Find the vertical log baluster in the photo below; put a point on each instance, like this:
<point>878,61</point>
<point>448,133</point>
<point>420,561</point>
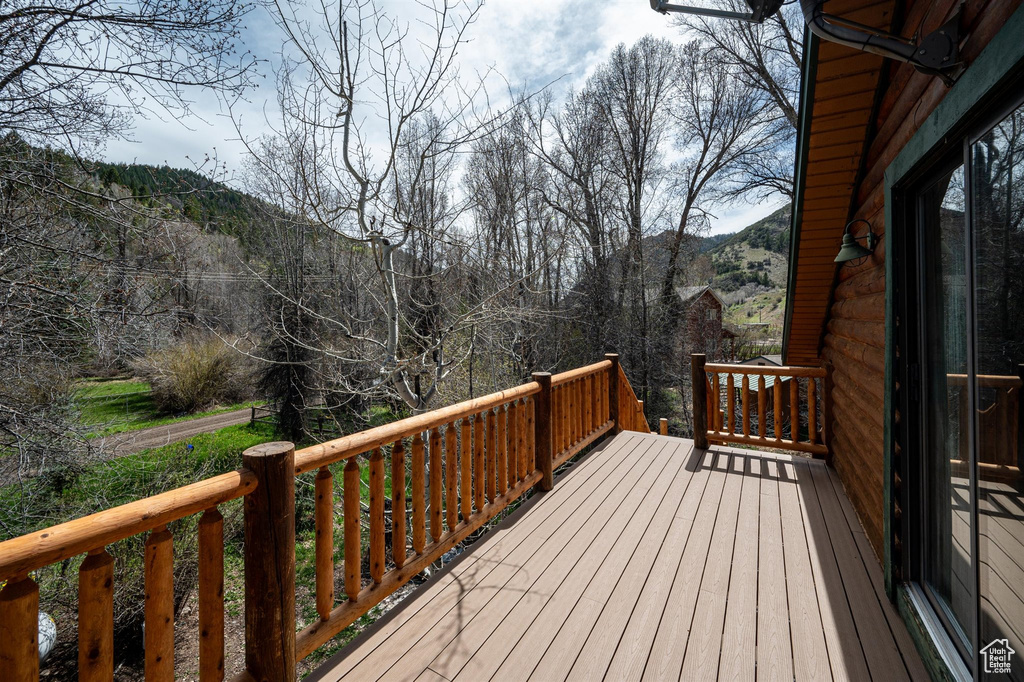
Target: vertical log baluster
<point>323,517</point>
<point>376,516</point>
<point>96,617</point>
<point>525,464</point>
<point>436,488</point>
<point>353,537</point>
<point>492,456</point>
<point>663,426</point>
<point>561,419</point>
<point>730,401</point>
<point>762,407</point>
<point>581,430</point>
<point>211,596</point>
<point>794,410</point>
<point>556,420</point>
<point>398,503</point>
<point>19,629</point>
<point>465,469</point>
<point>572,413</point>
<point>531,432</point>
<point>745,399</point>
<point>502,444</point>
<point>777,399</point>
<point>812,410</point>
<point>581,410</point>
<point>478,461</point>
<point>513,452</point>
<point>567,412</point>
<point>159,605</point>
<point>716,402</point>
<point>419,495</point>
<point>451,486</point>
<point>595,411</point>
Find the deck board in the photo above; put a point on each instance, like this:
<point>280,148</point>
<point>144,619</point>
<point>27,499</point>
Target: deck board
<point>652,560</point>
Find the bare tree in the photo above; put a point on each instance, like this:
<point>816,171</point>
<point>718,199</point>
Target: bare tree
<point>376,130</point>
<point>766,59</point>
<point>634,90</point>
<point>719,122</point>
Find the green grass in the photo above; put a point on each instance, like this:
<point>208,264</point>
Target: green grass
<point>121,405</point>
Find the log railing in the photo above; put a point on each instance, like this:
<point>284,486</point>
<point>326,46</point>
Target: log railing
<point>449,471</point>
<point>776,407</point>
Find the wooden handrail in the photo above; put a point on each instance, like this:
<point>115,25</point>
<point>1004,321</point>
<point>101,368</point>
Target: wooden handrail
<point>57,543</point>
<point>579,373</point>
<point>765,370</point>
<point>323,454</point>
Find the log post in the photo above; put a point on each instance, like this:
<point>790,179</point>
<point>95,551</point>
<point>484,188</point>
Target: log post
<point>323,516</point>
<point>270,562</point>
<point>96,617</point>
<point>159,603</point>
<point>211,596</point>
<point>663,426</point>
<point>353,528</point>
<point>377,552</point>
<point>543,453</point>
<point>698,385</point>
<point>613,391</point>
<point>19,630</point>
<point>398,502</point>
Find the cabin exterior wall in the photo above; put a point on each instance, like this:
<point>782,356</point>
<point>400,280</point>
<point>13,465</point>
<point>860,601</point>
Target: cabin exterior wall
<point>854,340</point>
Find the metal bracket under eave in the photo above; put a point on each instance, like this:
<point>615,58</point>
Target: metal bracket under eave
<point>760,10</point>
<point>939,51</point>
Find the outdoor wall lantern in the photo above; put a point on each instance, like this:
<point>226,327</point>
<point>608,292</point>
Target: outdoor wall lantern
<point>851,251</point>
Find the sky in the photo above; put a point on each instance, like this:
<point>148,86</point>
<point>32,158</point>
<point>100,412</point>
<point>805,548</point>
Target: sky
<point>532,43</point>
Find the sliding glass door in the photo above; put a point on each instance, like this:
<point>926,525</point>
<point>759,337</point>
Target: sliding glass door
<point>969,556</point>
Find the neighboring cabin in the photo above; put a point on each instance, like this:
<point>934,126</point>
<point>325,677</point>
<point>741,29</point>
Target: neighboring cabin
<point>704,330</point>
<point>924,337</point>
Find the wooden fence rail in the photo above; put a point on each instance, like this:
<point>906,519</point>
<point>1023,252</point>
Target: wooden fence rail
<point>451,471</point>
<point>724,411</point>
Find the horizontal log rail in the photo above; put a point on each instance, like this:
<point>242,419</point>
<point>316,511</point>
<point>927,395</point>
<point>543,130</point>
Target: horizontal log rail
<point>450,471</point>
<point>788,414</point>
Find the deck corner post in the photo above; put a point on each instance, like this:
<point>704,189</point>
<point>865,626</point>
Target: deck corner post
<point>543,451</point>
<point>698,387</point>
<point>613,390</point>
<point>270,562</point>
<point>663,426</point>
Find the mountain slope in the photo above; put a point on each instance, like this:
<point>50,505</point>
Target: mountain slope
<point>757,254</point>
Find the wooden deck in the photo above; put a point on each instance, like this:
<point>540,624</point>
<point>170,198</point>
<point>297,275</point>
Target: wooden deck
<point>651,560</point>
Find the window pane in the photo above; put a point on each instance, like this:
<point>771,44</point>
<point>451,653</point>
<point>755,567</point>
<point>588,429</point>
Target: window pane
<point>997,209</point>
<point>947,518</point>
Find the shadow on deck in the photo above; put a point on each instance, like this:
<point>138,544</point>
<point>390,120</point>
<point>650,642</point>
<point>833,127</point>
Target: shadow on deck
<point>653,560</point>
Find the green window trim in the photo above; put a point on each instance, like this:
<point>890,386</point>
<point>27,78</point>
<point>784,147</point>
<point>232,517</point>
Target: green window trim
<point>1001,60</point>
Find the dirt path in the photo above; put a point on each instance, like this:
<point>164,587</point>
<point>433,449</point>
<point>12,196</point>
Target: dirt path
<point>130,442</point>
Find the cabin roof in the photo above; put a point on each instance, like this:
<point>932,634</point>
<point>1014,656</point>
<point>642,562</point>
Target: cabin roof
<point>687,294</point>
<point>838,103</point>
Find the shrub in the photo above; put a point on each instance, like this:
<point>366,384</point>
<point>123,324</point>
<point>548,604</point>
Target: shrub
<point>195,375</point>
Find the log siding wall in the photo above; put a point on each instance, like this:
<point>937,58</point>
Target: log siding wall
<point>854,341</point>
